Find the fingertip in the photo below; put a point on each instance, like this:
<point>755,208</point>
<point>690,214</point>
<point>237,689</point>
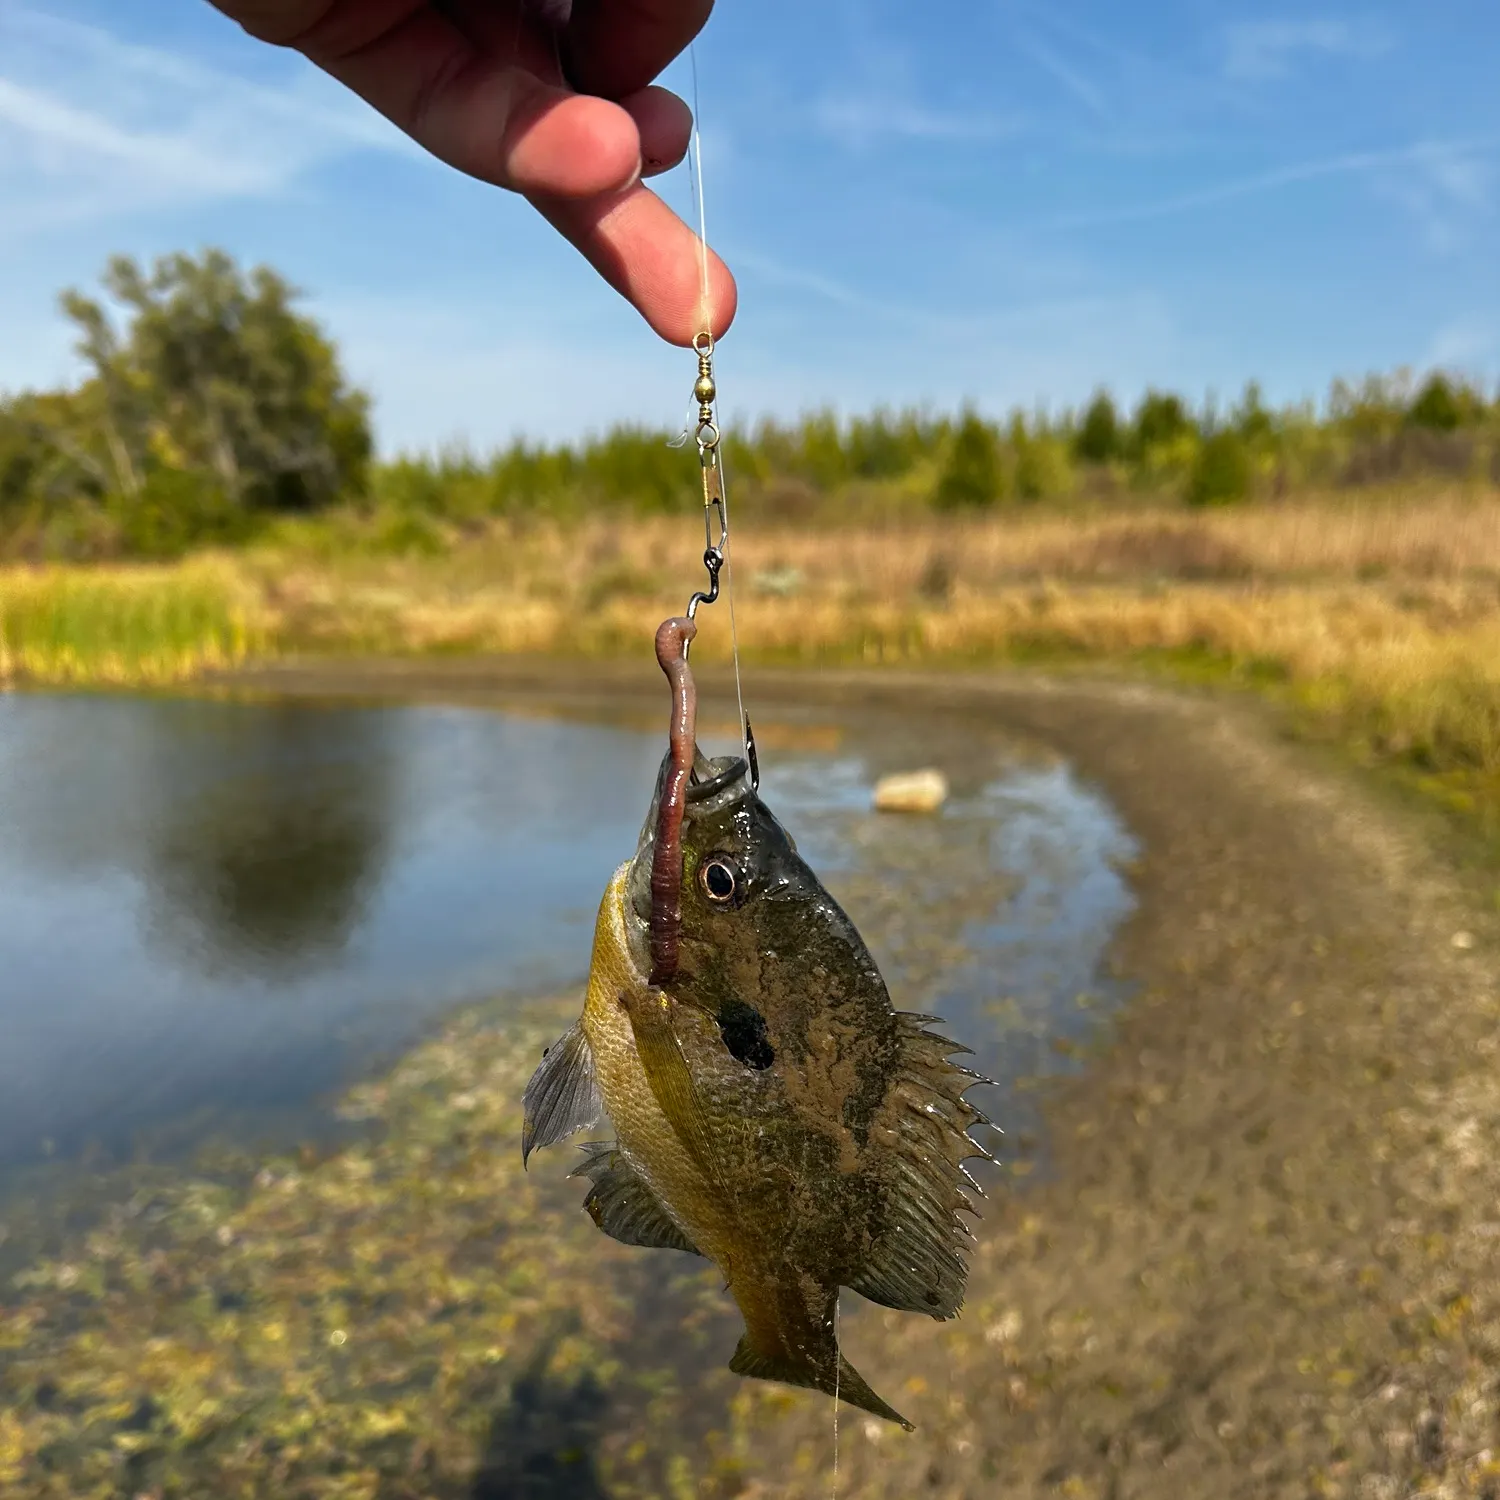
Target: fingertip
<point>665,126</point>
<point>723,300</point>
<point>571,146</point>
<point>651,258</point>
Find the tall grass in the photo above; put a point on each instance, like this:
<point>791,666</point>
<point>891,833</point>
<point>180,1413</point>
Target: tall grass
<point>1382,617</point>
<point>124,626</point>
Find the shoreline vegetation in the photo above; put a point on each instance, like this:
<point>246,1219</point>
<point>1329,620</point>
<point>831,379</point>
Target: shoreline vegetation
<point>1375,618</point>
<point>208,496</point>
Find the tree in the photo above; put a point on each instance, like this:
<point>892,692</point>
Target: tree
<point>1251,419</point>
<point>1443,405</point>
<point>217,377</point>
<point>972,474</point>
<point>1041,461</point>
<point>1098,440</point>
<point>1221,473</point>
<point>1160,419</point>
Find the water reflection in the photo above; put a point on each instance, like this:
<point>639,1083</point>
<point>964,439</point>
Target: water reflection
<point>270,869</point>
<point>212,914</point>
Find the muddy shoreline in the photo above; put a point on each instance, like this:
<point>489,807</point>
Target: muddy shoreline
<point>1267,1262</point>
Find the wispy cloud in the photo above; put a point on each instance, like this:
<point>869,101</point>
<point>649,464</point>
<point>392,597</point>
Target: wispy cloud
<point>1267,49</point>
<point>1463,342</point>
<point>884,90</point>
<point>1436,161</point>
<point>861,120</point>
<point>1445,194</point>
<point>1069,75</point>
<point>93,125</point>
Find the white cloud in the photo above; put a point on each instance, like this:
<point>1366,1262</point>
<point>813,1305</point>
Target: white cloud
<point>1069,75</point>
<point>1464,343</point>
<point>1448,168</point>
<point>862,120</point>
<point>93,126</point>
<point>1446,194</point>
<point>1266,49</point>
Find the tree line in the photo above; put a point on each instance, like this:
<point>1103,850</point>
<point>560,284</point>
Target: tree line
<point>211,407</point>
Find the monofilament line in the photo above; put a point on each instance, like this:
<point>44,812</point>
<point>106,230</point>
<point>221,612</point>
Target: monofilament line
<point>695,151</point>
<point>838,1367</point>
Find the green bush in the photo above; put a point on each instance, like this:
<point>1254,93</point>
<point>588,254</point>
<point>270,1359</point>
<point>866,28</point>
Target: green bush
<point>1444,405</point>
<point>1161,421</point>
<point>176,510</point>
<point>1222,472</point>
<point>1041,462</point>
<point>1098,440</point>
<point>971,475</point>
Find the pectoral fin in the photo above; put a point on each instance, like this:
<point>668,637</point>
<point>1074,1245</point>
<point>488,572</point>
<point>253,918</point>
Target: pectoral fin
<point>624,1207</point>
<point>562,1096</point>
<point>671,1080</point>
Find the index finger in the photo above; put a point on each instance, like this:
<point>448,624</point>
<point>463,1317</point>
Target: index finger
<point>616,47</point>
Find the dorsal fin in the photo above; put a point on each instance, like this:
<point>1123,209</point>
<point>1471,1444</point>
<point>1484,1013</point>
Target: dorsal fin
<point>623,1206</point>
<point>915,1263</point>
<point>562,1096</point>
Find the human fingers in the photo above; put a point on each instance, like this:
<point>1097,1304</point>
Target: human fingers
<point>665,126</point>
<point>616,47</point>
<point>643,250</point>
<point>475,107</point>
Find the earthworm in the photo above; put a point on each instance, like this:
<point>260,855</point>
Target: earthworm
<point>666,856</point>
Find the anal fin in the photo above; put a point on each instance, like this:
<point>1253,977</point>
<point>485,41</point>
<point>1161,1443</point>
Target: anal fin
<point>562,1096</point>
<point>624,1207</point>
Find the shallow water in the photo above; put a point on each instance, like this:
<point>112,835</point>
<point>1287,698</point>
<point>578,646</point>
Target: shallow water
<point>215,914</point>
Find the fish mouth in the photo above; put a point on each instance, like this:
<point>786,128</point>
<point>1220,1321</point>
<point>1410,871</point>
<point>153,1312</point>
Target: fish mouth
<point>717,783</point>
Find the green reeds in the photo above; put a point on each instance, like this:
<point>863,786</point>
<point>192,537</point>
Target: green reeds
<point>123,627</point>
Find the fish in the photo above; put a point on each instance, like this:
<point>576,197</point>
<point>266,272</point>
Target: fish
<point>772,1111</point>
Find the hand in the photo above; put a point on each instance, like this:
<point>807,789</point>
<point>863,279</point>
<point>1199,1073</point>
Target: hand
<point>557,107</point>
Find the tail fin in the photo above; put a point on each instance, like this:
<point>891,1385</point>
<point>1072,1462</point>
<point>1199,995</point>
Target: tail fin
<point>849,1385</point>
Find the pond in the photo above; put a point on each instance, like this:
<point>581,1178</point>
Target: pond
<point>235,927</point>
<point>213,914</point>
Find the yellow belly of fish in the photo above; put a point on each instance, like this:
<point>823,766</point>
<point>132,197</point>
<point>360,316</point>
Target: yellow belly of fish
<point>642,1131</point>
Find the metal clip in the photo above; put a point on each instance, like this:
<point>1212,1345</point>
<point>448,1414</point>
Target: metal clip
<point>715,516</point>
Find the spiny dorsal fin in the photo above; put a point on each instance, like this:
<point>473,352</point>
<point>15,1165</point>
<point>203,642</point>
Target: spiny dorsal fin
<point>562,1096</point>
<point>623,1206</point>
<point>915,1262</point>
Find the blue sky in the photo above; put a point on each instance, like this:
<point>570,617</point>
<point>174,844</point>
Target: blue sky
<point>1003,202</point>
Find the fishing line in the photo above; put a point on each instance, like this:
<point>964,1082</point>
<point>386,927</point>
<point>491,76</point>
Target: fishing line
<point>838,1368</point>
<point>695,179</point>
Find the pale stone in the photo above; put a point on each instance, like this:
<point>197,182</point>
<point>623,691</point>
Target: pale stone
<point>911,791</point>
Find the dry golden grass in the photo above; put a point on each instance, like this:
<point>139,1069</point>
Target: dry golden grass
<point>1384,615</point>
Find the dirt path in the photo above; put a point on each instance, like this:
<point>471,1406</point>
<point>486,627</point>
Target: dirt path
<point>1267,1262</point>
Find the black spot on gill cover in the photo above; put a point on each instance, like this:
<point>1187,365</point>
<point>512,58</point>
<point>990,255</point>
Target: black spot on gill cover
<point>744,1031</point>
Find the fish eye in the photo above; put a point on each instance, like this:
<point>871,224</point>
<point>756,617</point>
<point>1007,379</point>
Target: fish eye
<point>720,880</point>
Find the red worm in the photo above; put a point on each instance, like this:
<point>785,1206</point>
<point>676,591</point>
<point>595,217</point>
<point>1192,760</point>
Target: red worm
<point>666,855</point>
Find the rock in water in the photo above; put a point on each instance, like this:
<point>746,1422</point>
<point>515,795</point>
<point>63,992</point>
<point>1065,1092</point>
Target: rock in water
<point>911,791</point>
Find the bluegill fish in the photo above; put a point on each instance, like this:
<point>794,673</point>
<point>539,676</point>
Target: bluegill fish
<point>771,1110</point>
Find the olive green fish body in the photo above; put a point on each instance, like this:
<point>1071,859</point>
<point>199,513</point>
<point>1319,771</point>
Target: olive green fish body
<point>772,1111</point>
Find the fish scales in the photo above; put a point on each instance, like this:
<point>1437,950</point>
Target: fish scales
<point>771,1110</point>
